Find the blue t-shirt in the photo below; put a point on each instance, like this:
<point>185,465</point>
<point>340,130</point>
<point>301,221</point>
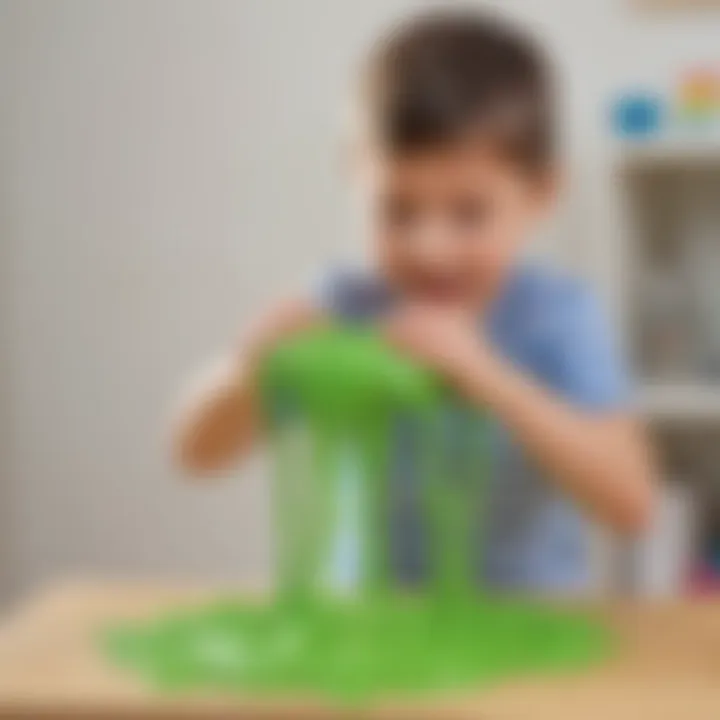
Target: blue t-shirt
<point>534,538</point>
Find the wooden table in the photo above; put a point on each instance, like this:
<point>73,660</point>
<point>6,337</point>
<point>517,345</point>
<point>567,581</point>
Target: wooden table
<point>668,669</point>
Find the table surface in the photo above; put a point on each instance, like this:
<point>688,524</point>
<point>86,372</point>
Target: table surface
<point>668,667</point>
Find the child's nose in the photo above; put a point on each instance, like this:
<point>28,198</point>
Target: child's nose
<point>434,248</point>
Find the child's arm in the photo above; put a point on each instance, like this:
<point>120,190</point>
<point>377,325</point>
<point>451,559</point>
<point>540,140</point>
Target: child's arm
<point>601,459</point>
<point>218,420</point>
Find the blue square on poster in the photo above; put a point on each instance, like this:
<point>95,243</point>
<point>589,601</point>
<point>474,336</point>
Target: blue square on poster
<point>638,115</point>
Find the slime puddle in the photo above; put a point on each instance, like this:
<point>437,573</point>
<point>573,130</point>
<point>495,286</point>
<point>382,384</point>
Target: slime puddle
<point>355,653</point>
<point>339,626</point>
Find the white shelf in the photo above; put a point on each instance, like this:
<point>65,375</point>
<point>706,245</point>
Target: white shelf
<point>680,402</point>
<point>699,150</point>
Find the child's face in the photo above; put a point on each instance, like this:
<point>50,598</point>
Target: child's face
<point>448,224</point>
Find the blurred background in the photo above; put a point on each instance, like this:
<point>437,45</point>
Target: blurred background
<point>167,166</point>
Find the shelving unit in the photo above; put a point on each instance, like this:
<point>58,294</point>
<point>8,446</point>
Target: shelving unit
<point>672,216</point>
<point>679,403</point>
<point>648,155</point>
<point>668,198</point>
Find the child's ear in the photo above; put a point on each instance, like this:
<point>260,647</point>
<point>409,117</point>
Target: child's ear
<point>361,163</point>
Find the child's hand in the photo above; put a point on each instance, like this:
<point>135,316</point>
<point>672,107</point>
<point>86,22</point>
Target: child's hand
<point>282,321</point>
<point>218,419</point>
<point>447,340</point>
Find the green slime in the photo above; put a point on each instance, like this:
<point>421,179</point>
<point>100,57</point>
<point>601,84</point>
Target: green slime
<point>332,400</point>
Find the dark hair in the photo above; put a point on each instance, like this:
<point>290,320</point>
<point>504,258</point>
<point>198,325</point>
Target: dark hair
<point>448,74</point>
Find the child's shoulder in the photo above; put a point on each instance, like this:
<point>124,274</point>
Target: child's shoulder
<point>569,340</point>
<point>545,283</point>
<point>542,288</point>
<point>548,304</point>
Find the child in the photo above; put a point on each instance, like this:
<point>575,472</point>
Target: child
<point>458,165</point>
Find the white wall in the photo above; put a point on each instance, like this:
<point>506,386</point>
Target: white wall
<point>165,167</point>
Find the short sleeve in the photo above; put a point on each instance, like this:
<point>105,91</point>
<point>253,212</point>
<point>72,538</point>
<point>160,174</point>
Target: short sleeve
<point>591,370</point>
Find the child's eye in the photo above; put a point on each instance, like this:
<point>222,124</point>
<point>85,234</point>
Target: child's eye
<point>399,212</point>
<point>469,213</point>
